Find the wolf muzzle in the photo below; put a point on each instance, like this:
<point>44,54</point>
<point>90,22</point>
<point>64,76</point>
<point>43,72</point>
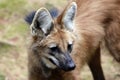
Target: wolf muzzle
<point>64,62</point>
<point>67,64</point>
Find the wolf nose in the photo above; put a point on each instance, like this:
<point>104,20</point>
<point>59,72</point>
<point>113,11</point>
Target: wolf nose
<point>71,66</point>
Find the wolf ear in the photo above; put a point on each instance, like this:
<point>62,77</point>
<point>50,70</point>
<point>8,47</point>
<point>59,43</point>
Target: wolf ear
<point>69,15</point>
<point>42,23</point>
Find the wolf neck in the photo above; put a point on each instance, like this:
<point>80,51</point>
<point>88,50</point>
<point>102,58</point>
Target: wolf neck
<point>42,72</point>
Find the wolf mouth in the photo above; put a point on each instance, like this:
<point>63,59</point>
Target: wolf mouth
<point>51,61</point>
<point>62,65</point>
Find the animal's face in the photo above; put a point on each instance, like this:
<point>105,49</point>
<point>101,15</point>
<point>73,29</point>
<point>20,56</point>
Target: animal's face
<point>58,47</point>
<point>55,38</point>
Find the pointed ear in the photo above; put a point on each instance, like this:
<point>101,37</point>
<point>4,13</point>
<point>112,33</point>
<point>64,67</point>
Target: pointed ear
<point>69,15</point>
<point>42,23</point>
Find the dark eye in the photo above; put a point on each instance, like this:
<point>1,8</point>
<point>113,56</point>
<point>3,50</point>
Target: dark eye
<point>53,49</point>
<point>70,47</point>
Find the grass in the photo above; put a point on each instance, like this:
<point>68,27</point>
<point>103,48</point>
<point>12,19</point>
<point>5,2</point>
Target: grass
<point>18,29</point>
<point>13,30</point>
<point>5,47</point>
<point>9,8</point>
<point>2,77</point>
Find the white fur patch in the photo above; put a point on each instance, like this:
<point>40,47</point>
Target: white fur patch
<point>48,63</point>
<point>70,42</point>
<point>52,45</point>
<point>55,60</point>
<point>69,15</point>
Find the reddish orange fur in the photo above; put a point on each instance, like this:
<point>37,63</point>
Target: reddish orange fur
<point>95,20</point>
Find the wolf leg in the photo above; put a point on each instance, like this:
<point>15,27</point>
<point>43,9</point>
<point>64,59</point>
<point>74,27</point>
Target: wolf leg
<point>95,66</point>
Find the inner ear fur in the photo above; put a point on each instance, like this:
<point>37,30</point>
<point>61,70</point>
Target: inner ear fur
<point>67,17</point>
<point>42,23</point>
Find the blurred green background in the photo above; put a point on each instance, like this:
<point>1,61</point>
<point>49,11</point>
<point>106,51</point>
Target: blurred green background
<point>15,37</point>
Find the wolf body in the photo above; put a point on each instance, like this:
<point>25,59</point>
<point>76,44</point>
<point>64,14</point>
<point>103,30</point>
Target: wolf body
<point>60,47</point>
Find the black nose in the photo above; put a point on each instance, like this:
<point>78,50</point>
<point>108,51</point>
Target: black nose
<point>69,63</point>
<point>70,66</point>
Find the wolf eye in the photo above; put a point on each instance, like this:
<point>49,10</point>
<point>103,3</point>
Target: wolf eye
<point>70,47</point>
<point>54,49</point>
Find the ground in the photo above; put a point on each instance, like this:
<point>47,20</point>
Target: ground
<point>15,36</point>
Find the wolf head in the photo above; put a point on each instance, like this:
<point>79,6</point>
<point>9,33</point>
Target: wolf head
<point>54,39</point>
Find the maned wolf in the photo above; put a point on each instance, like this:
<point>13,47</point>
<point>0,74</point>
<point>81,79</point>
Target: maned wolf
<point>61,46</point>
